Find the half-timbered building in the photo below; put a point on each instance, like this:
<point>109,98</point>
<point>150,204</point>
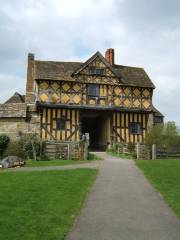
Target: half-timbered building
<point>111,102</point>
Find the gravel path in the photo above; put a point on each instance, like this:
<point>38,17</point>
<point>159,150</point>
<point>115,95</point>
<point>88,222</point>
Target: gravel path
<point>124,206</point>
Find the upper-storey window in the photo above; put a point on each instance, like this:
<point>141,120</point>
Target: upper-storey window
<point>134,128</point>
<point>93,90</point>
<point>96,71</point>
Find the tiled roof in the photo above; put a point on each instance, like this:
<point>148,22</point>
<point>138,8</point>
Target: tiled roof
<point>16,98</point>
<point>156,112</point>
<point>131,76</point>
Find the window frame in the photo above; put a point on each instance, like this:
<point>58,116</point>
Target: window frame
<point>135,128</point>
<point>96,90</point>
<point>61,123</point>
<point>96,71</point>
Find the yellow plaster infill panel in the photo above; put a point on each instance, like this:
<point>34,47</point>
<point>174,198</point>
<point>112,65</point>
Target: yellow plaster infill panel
<point>44,116</point>
<point>64,98</point>
<point>65,86</point>
<point>131,137</point>
<point>68,113</point>
<point>117,102</point>
<point>55,98</point>
<point>127,135</point>
<point>76,87</point>
<point>102,102</point>
<point>55,86</point>
<point>92,101</point>
<point>146,104</point>
<point>135,117</point>
<point>54,113</point>
<point>131,117</point>
<point>136,92</point>
<point>136,103</point>
<point>117,91</point>
<point>73,116</point>
<point>123,135</point>
<point>73,136</point>
<point>44,85</point>
<point>43,134</point>
<point>77,99</point>
<point>127,102</point>
<point>146,93</point>
<point>127,91</point>
<point>43,97</point>
<point>49,115</point>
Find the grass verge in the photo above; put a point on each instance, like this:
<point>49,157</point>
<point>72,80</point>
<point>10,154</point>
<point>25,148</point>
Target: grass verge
<point>56,162</point>
<point>41,205</point>
<point>120,155</point>
<point>165,177</point>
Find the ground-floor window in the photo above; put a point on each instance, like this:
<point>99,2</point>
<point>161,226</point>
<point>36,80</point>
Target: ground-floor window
<point>61,123</point>
<point>135,128</point>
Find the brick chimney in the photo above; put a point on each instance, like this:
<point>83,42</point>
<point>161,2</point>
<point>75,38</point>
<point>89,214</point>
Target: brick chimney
<point>109,55</point>
<point>30,79</point>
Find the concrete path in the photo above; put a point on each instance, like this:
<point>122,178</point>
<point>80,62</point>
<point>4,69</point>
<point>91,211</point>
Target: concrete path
<point>124,206</point>
<point>92,164</point>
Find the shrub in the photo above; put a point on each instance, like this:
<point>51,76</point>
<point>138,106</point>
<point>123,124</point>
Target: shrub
<point>14,149</point>
<point>32,145</point>
<point>4,140</point>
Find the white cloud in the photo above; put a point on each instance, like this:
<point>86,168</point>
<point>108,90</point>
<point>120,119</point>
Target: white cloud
<point>144,33</point>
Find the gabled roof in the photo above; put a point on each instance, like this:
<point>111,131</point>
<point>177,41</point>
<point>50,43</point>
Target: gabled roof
<point>131,76</point>
<point>156,112</point>
<point>16,98</point>
<point>91,59</point>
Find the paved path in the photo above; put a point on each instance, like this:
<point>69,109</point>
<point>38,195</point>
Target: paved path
<point>123,206</point>
<point>94,164</point>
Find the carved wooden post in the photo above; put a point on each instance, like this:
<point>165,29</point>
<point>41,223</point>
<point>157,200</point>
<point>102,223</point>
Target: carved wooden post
<point>153,151</point>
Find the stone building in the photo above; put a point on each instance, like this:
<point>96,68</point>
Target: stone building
<point>64,100</point>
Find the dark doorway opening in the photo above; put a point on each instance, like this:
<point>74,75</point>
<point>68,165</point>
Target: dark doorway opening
<point>96,124</point>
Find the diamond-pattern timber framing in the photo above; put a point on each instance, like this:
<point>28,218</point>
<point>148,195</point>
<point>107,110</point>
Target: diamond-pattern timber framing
<point>146,93</point>
<point>146,104</point>
<point>43,97</point>
<point>63,92</point>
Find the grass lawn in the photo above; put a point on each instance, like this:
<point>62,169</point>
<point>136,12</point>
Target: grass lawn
<point>41,205</point>
<point>32,163</point>
<point>165,177</point>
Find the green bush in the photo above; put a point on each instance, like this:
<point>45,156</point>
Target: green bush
<point>14,148</point>
<point>33,146</point>
<point>4,140</point>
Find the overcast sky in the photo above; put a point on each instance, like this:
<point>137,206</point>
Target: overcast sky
<point>144,33</point>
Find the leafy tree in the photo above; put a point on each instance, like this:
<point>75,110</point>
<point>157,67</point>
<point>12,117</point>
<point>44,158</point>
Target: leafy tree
<point>164,135</point>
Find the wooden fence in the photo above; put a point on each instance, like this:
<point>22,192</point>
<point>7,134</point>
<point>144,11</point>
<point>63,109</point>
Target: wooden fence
<point>68,150</point>
<point>167,152</point>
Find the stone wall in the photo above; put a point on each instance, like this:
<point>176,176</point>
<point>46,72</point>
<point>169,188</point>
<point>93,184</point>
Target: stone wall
<point>143,152</point>
<point>14,126</point>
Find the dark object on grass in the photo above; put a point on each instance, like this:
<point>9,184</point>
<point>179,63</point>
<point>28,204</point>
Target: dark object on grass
<point>11,161</point>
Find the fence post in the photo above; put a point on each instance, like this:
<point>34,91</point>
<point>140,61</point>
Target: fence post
<point>153,151</point>
<point>86,144</point>
<point>68,151</point>
<point>138,150</point>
